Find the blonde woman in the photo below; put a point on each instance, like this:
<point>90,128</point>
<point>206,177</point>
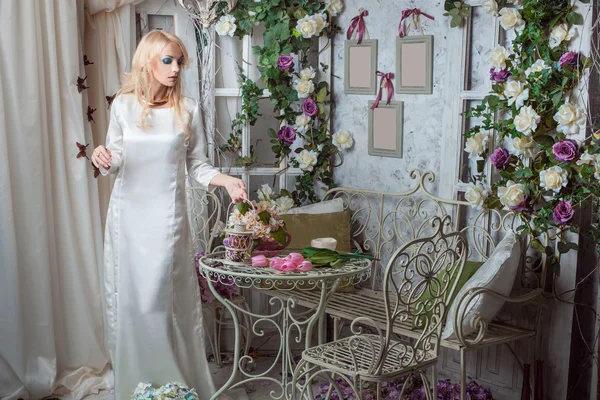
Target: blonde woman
<point>153,315</point>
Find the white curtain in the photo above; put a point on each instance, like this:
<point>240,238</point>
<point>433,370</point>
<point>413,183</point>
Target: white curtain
<point>109,40</point>
<point>51,325</point>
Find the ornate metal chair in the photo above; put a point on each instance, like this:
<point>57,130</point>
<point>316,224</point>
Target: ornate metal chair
<point>418,283</point>
<point>204,212</point>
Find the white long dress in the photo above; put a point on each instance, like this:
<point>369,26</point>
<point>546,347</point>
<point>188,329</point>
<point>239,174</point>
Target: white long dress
<point>152,298</point>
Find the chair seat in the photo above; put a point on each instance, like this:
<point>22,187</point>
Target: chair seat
<point>356,355</point>
<point>365,302</point>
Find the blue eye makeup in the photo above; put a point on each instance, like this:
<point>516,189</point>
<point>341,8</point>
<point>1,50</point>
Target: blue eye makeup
<point>167,60</point>
<point>180,61</point>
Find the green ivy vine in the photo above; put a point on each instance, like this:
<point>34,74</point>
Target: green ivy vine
<point>281,38</point>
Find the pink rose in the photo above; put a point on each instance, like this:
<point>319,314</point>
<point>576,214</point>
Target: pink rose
<point>296,258</point>
<point>288,266</point>
<point>260,261</point>
<point>305,266</point>
<point>276,263</point>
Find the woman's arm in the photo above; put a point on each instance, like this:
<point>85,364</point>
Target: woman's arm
<point>199,168</point>
<point>109,159</point>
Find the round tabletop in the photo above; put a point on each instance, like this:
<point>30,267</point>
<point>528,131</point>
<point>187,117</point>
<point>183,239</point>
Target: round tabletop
<point>215,268</point>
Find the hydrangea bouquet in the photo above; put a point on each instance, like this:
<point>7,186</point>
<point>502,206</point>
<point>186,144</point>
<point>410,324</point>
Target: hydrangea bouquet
<point>172,390</point>
<point>262,218</point>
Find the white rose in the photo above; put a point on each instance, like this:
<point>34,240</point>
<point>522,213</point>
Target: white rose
<point>511,18</point>
<point>512,194</point>
<point>498,57</point>
<point>308,73</point>
<point>476,195</point>
<point>515,2</point>
<point>527,121</point>
<point>586,159</point>
<point>476,145</point>
<point>516,93</point>
<point>265,192</point>
<point>334,7</point>
<point>285,203</point>
<point>321,21</point>
<point>554,178</point>
<point>343,139</point>
<point>490,7</point>
<point>561,33</point>
<point>522,146</point>
<point>306,159</point>
<point>307,27</point>
<point>252,13</point>
<point>570,118</point>
<point>597,173</point>
<point>302,123</point>
<point>304,87</point>
<point>226,25</point>
<point>537,66</point>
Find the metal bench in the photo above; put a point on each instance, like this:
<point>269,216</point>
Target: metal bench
<point>383,222</point>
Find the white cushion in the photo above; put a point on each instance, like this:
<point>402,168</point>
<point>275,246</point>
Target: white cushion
<point>497,274</point>
<point>323,207</point>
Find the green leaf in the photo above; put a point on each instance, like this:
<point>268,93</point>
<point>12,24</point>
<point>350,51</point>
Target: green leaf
<point>575,18</point>
<point>537,245</point>
<point>455,22</point>
<point>564,247</point>
<point>280,235</point>
<point>264,217</point>
<point>242,207</point>
<point>321,95</point>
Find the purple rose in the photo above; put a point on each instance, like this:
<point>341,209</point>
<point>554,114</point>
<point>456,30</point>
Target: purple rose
<point>500,157</point>
<point>499,76</point>
<point>566,150</point>
<point>563,212</point>
<point>285,62</point>
<point>286,135</point>
<point>523,206</point>
<point>569,58</point>
<point>310,108</point>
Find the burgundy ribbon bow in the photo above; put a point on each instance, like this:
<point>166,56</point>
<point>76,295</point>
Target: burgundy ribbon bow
<point>359,22</point>
<point>408,13</point>
<point>386,81</point>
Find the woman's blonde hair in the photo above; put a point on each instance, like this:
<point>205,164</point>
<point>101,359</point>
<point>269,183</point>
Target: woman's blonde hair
<point>139,80</point>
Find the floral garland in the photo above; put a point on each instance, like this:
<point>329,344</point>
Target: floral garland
<point>543,173</point>
<point>291,26</point>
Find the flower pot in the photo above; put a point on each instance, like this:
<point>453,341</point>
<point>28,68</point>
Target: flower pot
<point>270,247</point>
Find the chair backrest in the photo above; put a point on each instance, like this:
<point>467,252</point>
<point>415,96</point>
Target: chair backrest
<point>382,222</point>
<point>419,281</point>
<point>204,212</point>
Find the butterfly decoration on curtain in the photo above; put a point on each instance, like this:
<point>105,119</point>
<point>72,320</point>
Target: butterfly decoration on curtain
<point>82,150</point>
<point>90,111</point>
<point>109,100</point>
<point>81,84</point>
<point>86,62</point>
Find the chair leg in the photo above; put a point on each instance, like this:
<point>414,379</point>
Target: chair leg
<point>212,333</point>
<point>379,391</point>
<point>247,326</point>
<point>434,380</point>
<point>463,373</point>
<point>217,328</point>
<point>427,386</point>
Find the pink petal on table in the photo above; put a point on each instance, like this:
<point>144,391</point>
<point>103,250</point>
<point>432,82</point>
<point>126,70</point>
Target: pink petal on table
<point>288,266</point>
<point>296,258</point>
<point>305,266</point>
<point>260,261</point>
<point>276,263</point>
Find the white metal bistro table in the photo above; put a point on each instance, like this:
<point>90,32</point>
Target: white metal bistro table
<point>290,323</point>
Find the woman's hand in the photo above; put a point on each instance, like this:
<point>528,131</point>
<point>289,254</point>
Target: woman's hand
<point>236,189</point>
<point>101,156</point>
